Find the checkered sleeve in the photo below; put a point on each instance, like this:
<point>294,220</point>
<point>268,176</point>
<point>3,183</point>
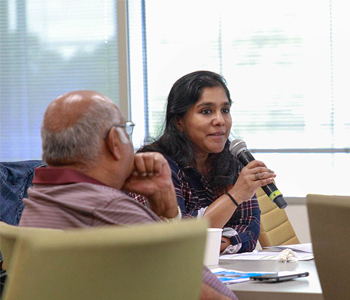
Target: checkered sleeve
<point>185,199</point>
<point>246,221</point>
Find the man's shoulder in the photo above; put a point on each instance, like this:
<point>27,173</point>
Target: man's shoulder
<point>120,206</point>
<point>88,194</point>
<point>85,204</point>
<point>102,191</point>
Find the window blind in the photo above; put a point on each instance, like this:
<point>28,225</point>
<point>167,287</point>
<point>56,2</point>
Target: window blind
<point>49,48</point>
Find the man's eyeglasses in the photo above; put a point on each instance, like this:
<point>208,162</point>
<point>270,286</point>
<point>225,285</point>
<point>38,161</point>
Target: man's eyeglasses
<point>129,128</point>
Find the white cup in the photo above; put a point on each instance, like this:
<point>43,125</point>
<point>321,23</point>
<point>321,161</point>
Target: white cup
<point>212,248</point>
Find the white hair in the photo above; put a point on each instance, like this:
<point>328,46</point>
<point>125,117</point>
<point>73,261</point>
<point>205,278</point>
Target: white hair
<point>80,142</point>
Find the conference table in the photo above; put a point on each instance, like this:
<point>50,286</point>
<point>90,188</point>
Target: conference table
<point>297,289</point>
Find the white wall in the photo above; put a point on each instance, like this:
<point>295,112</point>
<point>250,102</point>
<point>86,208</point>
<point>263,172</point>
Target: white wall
<point>297,215</point>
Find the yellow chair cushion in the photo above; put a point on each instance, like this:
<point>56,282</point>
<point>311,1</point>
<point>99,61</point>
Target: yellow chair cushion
<point>276,228</point>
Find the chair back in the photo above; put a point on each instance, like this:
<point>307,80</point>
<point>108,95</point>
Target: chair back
<point>329,219</point>
<point>154,261</point>
<point>275,227</point>
<point>10,234</point>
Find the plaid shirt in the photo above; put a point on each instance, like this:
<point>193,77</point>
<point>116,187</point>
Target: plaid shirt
<point>194,192</point>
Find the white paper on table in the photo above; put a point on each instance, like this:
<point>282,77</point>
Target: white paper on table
<point>263,255</point>
<point>305,247</point>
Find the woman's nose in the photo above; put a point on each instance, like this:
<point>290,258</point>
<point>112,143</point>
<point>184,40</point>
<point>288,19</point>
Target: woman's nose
<point>218,119</point>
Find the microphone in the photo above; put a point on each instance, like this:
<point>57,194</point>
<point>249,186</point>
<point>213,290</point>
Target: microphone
<point>238,148</point>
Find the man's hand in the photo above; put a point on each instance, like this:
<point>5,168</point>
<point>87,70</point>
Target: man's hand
<point>151,177</point>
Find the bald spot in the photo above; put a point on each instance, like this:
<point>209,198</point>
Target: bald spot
<point>67,109</point>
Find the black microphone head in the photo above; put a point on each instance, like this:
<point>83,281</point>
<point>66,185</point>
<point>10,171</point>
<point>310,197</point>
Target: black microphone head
<point>237,146</point>
<point>280,202</point>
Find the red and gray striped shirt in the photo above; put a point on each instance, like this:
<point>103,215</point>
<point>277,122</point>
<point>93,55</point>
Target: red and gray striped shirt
<point>65,198</point>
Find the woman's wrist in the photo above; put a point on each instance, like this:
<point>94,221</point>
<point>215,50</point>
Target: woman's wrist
<point>231,198</point>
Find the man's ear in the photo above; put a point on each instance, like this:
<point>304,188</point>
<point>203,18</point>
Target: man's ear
<point>114,144</point>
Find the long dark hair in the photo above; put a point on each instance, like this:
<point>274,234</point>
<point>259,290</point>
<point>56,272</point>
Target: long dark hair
<point>185,92</point>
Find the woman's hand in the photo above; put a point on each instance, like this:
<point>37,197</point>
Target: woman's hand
<point>225,242</point>
<point>253,175</point>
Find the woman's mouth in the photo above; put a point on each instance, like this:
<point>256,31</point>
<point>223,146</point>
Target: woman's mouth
<point>217,134</point>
